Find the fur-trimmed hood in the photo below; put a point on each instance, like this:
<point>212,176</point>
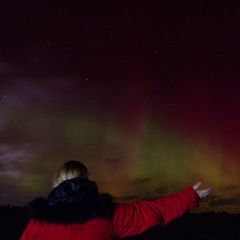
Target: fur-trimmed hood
<point>73,201</point>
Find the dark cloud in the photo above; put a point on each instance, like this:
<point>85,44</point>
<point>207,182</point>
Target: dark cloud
<point>160,191</point>
<point>127,197</point>
<point>214,196</point>
<point>231,188</point>
<point>225,201</point>
<point>142,180</point>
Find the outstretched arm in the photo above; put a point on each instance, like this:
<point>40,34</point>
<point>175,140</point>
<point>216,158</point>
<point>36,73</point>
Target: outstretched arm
<point>135,217</point>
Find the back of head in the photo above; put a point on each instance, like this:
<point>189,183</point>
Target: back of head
<point>70,170</point>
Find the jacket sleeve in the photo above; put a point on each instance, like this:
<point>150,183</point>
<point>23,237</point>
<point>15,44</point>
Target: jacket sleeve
<point>135,217</point>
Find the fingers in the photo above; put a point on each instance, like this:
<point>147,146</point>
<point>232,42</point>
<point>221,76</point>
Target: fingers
<point>204,193</point>
<point>197,186</point>
<point>209,191</point>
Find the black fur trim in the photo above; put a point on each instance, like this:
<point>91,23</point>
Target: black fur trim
<point>70,213</point>
<point>76,206</point>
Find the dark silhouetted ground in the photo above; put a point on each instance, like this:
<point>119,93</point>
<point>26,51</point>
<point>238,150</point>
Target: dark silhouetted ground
<point>205,226</point>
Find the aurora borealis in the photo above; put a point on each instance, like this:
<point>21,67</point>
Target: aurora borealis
<point>146,94</point>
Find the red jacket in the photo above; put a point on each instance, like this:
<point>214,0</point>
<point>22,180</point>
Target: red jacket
<point>127,219</point>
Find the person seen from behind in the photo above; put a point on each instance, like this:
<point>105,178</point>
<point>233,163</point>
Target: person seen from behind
<point>75,210</point>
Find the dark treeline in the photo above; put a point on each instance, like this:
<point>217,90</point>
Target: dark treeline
<point>205,226</point>
<point>13,220</point>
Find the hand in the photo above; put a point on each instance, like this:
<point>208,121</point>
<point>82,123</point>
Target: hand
<point>202,193</point>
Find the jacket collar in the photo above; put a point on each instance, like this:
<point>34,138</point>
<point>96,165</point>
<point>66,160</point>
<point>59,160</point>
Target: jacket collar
<point>73,201</point>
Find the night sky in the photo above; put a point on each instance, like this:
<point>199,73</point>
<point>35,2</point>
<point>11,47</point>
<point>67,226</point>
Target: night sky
<point>145,93</point>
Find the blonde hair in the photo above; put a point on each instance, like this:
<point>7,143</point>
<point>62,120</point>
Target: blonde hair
<point>70,170</point>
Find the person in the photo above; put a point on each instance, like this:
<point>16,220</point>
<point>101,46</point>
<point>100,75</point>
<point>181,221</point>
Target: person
<point>75,210</point>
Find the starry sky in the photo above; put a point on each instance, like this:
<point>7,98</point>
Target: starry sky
<point>145,93</point>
